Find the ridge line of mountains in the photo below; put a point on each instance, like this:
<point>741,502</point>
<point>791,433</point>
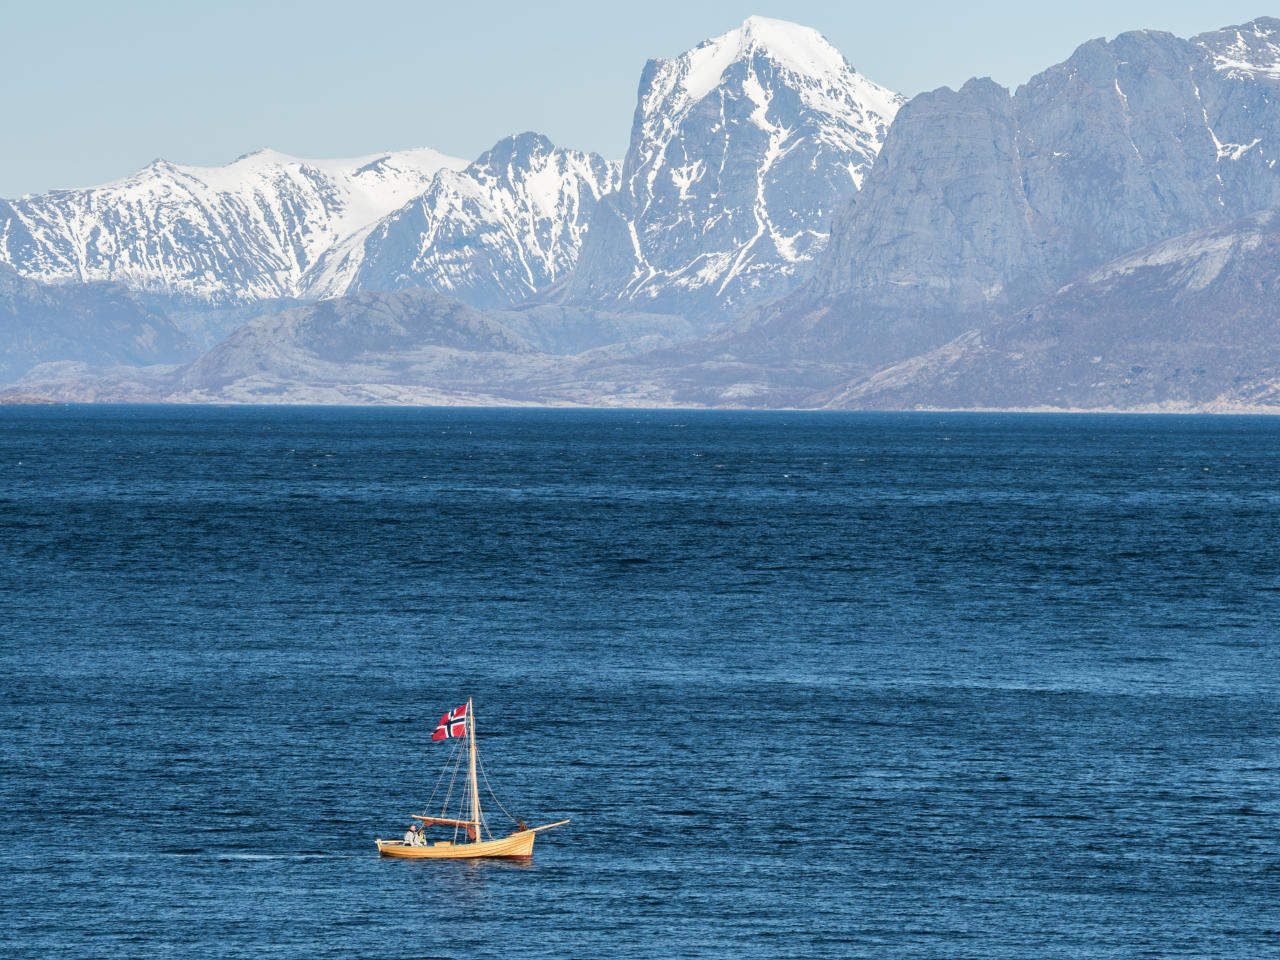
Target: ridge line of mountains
<point>782,232</point>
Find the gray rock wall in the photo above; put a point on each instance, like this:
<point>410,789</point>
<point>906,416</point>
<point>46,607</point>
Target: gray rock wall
<point>980,202</point>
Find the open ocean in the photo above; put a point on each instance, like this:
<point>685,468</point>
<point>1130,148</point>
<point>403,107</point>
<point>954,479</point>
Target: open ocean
<point>809,685</point>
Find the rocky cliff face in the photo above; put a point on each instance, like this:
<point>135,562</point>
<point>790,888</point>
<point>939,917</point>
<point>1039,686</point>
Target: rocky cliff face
<point>941,229</point>
<point>741,151</point>
<point>981,202</point>
<point>492,234</point>
<point>1173,143</point>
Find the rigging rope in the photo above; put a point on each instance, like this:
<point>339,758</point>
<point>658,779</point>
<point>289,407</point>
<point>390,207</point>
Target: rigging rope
<point>444,809</point>
<point>492,792</point>
<point>456,759</point>
<point>456,750</point>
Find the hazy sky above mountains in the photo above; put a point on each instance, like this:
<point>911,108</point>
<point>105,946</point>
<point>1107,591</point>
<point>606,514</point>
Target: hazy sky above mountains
<point>94,91</point>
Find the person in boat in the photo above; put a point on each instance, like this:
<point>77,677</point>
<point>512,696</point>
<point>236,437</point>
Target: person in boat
<point>413,836</point>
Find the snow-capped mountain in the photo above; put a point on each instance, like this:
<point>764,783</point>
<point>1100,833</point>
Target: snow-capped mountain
<point>244,232</point>
<point>269,228</point>
<point>509,224</point>
<point>741,151</point>
<point>986,257</point>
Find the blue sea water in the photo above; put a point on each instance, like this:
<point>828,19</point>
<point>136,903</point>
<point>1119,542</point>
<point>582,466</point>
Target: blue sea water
<point>808,685</point>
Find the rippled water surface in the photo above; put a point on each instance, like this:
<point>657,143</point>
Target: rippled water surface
<point>808,685</point>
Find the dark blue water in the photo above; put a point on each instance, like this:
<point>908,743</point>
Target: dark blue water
<point>808,685</point>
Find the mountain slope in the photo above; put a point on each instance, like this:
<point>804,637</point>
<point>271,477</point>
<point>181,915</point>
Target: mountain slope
<point>741,151</point>
<point>1189,323</point>
<point>507,225</point>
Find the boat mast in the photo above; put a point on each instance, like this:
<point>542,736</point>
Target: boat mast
<point>475,789</point>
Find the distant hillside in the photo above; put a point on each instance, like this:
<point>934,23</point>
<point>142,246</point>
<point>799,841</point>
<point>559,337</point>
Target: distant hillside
<point>100,323</point>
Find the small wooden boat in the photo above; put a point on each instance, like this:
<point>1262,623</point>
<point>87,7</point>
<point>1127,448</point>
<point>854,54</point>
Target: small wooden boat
<point>471,834</point>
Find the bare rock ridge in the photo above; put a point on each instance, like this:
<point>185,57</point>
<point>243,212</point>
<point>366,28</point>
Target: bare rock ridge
<point>409,345</point>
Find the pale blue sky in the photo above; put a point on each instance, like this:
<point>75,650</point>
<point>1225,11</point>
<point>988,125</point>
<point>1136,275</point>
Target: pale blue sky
<point>95,90</point>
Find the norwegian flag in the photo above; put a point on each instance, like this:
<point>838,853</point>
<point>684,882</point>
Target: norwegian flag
<point>452,724</point>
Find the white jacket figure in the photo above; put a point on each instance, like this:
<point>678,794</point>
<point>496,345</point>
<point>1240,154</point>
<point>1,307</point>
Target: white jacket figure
<point>411,836</point>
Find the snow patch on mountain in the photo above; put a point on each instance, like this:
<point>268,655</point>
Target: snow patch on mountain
<point>1199,257</point>
<point>1250,51</point>
<point>801,49</point>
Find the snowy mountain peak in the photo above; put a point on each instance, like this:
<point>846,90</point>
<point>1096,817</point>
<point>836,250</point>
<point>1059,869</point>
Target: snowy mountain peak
<point>742,150</point>
<point>801,50</point>
<point>379,172</point>
<point>519,149</point>
<point>265,155</point>
<point>748,60</point>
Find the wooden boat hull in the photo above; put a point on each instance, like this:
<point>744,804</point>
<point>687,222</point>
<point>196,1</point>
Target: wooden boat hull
<point>517,845</point>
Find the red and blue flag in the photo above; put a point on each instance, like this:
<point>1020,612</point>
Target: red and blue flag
<point>452,724</point>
